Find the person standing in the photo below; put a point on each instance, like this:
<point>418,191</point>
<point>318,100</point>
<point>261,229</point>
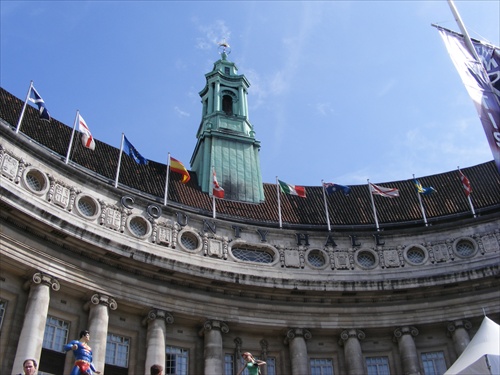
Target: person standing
<point>252,364</point>
<point>83,355</point>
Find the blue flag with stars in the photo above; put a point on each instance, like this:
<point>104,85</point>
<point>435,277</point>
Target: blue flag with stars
<point>131,151</point>
<point>330,188</point>
<point>37,99</point>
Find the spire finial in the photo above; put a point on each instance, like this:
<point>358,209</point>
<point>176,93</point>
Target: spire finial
<point>224,49</point>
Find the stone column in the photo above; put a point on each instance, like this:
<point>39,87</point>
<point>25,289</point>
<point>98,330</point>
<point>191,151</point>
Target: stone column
<point>213,354</point>
<point>296,340</point>
<point>407,350</point>
<point>217,98</point>
<point>157,332</point>
<point>98,327</point>
<point>350,339</point>
<point>458,331</point>
<point>29,344</point>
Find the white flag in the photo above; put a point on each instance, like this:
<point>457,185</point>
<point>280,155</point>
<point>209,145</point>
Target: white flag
<point>383,191</point>
<point>87,139</point>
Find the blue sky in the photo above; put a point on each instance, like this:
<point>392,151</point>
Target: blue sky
<point>340,90</point>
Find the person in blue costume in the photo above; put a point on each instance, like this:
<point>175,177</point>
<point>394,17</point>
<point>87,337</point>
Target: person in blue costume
<point>252,364</point>
<point>83,355</point>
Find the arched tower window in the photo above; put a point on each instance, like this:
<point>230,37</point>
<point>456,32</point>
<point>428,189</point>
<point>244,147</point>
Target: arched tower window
<point>227,105</point>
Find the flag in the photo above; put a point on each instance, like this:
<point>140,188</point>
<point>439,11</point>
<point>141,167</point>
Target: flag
<point>133,153</point>
<point>383,191</point>
<point>217,190</point>
<point>178,167</point>
<point>292,189</point>
<point>465,183</point>
<point>479,86</point>
<point>330,188</point>
<point>87,139</point>
<point>423,190</point>
<point>37,99</point>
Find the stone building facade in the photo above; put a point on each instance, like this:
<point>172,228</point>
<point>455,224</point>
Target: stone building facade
<point>170,284</point>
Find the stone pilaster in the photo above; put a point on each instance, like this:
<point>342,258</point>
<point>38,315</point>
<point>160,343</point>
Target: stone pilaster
<point>214,355</point>
<point>30,340</point>
<point>296,340</point>
<point>407,350</point>
<point>350,339</point>
<point>157,333</point>
<point>458,331</point>
<point>98,327</point>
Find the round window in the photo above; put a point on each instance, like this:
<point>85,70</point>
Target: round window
<point>316,258</point>
<point>415,255</point>
<point>138,226</point>
<point>366,259</point>
<point>189,241</point>
<point>36,181</point>
<point>87,206</point>
<point>465,248</point>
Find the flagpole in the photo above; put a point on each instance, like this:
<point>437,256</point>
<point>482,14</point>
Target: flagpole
<point>166,181</point>
<point>24,108</point>
<point>119,161</point>
<point>421,204</point>
<point>213,196</point>
<point>72,136</point>
<point>326,207</point>
<point>279,201</point>
<point>373,205</point>
<point>468,198</point>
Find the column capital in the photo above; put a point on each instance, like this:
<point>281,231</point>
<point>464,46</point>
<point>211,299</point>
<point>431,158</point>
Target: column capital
<point>293,333</point>
<point>347,334</point>
<point>213,324</point>
<point>103,299</point>
<point>465,324</point>
<point>41,278</point>
<point>154,314</point>
<point>407,330</point>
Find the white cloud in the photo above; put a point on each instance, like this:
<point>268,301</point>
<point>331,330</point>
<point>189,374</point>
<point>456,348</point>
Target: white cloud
<point>180,112</point>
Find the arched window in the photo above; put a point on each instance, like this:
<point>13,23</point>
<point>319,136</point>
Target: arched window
<point>227,105</point>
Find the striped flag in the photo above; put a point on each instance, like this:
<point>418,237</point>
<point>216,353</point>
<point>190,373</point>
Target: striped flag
<point>465,183</point>
<point>292,189</point>
<point>217,190</point>
<point>383,191</point>
<point>177,167</point>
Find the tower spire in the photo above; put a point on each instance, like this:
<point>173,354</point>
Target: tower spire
<point>226,138</point>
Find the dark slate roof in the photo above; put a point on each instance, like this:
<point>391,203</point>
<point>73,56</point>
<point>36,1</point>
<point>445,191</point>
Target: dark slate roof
<point>353,211</point>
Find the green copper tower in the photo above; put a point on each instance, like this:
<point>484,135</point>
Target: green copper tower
<point>226,139</point>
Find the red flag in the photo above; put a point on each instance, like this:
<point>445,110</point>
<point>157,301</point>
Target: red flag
<point>465,183</point>
<point>217,190</point>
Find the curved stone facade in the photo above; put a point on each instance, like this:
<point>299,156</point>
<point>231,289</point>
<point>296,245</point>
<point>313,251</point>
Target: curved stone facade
<point>77,250</point>
<point>156,278</point>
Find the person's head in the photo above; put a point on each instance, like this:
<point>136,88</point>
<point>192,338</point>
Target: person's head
<point>29,366</point>
<point>85,334</point>
<point>247,356</point>
<point>156,370</point>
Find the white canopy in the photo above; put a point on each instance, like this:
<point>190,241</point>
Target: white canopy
<point>482,351</point>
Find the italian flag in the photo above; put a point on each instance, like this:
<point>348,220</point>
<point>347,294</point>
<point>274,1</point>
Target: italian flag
<point>292,189</point>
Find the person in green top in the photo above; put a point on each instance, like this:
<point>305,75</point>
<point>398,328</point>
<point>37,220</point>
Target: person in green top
<point>252,364</point>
